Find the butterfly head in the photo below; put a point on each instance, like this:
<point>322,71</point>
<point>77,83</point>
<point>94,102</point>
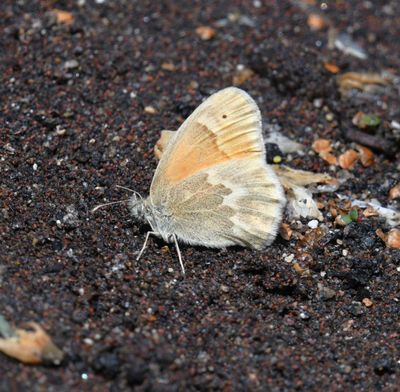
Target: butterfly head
<point>138,207</point>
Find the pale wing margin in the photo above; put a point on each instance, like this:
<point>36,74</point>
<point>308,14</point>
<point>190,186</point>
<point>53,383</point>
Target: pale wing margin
<point>239,202</point>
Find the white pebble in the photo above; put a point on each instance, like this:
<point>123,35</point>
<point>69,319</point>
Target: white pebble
<point>313,224</point>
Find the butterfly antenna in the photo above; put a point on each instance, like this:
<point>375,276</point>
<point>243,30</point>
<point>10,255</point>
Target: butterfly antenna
<point>130,190</point>
<point>109,204</point>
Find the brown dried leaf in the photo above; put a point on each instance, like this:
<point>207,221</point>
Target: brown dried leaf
<point>290,177</point>
<point>31,347</point>
<point>394,193</point>
<point>391,239</point>
<point>348,159</point>
<point>205,32</point>
<point>360,80</point>
<point>367,157</point>
<point>64,17</point>
<point>285,231</point>
<point>322,145</point>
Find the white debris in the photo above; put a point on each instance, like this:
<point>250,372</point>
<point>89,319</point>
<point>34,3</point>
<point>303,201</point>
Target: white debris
<point>313,224</point>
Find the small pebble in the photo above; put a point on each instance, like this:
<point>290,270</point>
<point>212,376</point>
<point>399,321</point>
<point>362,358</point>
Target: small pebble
<point>318,102</point>
<point>329,117</point>
<point>313,224</point>
<point>289,258</point>
<point>325,292</point>
<point>305,315</point>
<point>150,110</point>
<point>367,302</point>
<point>224,288</point>
<point>71,64</point>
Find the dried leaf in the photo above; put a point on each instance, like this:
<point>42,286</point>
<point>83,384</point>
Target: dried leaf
<point>205,32</point>
<point>32,346</point>
<point>363,81</point>
<point>348,159</point>
<point>391,239</point>
<point>64,17</point>
<point>286,145</point>
<point>392,217</point>
<point>394,193</point>
<point>285,231</point>
<point>367,157</point>
<point>290,177</point>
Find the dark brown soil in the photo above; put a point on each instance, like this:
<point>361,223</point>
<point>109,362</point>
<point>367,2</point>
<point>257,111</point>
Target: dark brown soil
<point>73,125</point>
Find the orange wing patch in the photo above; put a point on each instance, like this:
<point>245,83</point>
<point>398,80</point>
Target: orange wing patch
<point>226,126</point>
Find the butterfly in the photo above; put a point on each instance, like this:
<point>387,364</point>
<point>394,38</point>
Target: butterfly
<point>212,186</point>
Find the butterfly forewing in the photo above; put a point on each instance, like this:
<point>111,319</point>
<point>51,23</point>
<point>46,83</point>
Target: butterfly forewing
<point>212,180</point>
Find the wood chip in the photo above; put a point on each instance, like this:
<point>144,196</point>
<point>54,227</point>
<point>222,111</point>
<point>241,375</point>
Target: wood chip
<point>205,32</point>
<point>367,157</point>
<point>348,159</point>
<point>64,17</point>
<point>322,145</point>
<point>332,68</point>
<point>328,157</point>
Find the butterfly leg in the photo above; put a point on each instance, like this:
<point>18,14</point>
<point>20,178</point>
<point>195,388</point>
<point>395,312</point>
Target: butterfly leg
<point>179,254</point>
<point>145,243</point>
